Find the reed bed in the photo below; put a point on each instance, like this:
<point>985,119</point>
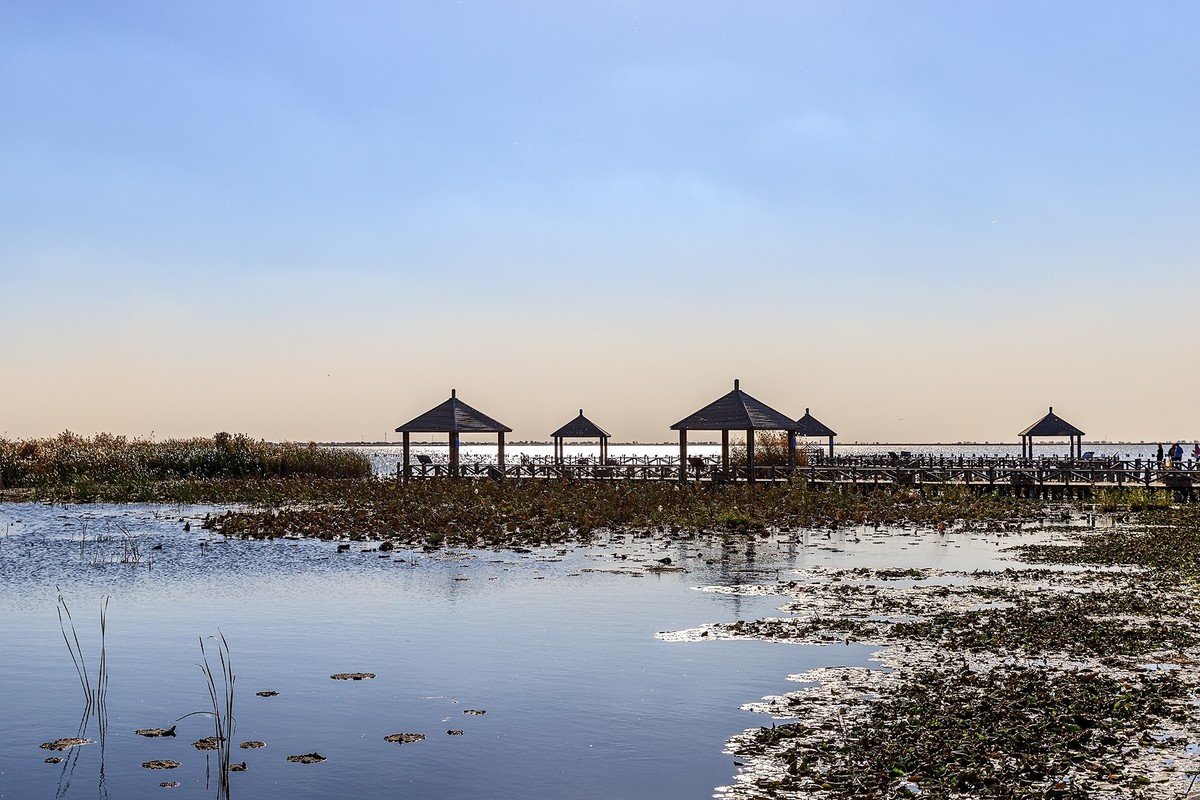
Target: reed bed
<point>103,463</point>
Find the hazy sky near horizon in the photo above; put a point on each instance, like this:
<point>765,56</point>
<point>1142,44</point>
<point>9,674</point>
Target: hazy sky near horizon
<point>925,221</point>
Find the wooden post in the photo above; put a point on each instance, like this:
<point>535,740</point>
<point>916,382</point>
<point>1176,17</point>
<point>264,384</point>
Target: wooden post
<point>750,456</point>
<point>725,452</point>
<point>791,448</point>
<point>683,463</point>
<point>831,447</point>
<point>500,448</point>
<point>407,467</point>
<point>454,454</point>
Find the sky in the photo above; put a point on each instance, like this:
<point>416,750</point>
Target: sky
<point>925,221</point>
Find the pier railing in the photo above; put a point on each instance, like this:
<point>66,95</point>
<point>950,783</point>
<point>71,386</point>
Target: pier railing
<point>854,471</point>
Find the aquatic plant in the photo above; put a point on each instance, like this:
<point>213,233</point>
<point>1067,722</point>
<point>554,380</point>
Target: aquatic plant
<point>220,684</point>
<point>94,694</point>
<point>87,468</point>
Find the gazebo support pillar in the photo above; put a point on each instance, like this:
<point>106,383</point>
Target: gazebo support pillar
<point>725,452</point>
<point>407,467</point>
<point>683,462</point>
<point>791,449</point>
<point>454,454</point>
<point>500,451</point>
<point>750,456</point>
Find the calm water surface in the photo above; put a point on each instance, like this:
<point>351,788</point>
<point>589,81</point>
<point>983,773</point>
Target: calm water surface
<point>557,646</point>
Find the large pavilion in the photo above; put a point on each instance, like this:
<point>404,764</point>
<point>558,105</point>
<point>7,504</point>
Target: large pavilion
<point>1052,425</point>
<point>453,417</point>
<point>735,411</point>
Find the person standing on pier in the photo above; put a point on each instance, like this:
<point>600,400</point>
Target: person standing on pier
<point>1159,457</point>
<point>1176,454</point>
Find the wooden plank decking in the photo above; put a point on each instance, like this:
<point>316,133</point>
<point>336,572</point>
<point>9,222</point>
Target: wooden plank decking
<point>1043,478</point>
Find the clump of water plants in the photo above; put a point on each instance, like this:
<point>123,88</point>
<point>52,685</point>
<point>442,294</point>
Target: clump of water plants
<point>108,467</point>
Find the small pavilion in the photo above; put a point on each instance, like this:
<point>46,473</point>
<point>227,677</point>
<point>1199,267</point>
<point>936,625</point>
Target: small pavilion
<point>736,411</point>
<point>1056,426</point>
<point>808,425</point>
<point>453,417</point>
<point>580,428</point>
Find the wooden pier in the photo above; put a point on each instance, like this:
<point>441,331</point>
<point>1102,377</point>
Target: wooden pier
<point>1043,478</point>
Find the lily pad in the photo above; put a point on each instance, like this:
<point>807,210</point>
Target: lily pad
<point>352,676</point>
<point>53,760</point>
<point>404,738</point>
<point>65,744</point>
<point>252,745</point>
<point>307,758</point>
<point>208,743</point>
<point>475,712</point>
<point>454,732</point>
<point>268,693</point>
<point>152,732</point>
<point>162,763</point>
<point>238,767</point>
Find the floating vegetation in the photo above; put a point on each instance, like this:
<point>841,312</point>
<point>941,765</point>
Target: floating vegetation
<point>153,732</point>
<point>240,766</point>
<point>1009,684</point>
<point>476,712</point>
<point>252,745</point>
<point>268,693</point>
<point>434,514</point>
<point>208,743</point>
<point>169,785</point>
<point>307,758</point>
<point>53,760</point>
<point>454,732</point>
<point>66,743</point>
<point>352,676</point>
<point>162,763</point>
<point>404,738</point>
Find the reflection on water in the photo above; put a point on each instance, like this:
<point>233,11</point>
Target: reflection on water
<point>557,646</point>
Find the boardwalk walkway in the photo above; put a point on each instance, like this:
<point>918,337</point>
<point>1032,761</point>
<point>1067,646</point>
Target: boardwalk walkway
<point>1024,477</point>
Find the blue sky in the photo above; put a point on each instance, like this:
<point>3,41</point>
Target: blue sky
<point>926,221</point>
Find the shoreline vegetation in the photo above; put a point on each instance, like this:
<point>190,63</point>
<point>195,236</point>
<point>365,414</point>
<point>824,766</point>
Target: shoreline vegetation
<point>1074,677</point>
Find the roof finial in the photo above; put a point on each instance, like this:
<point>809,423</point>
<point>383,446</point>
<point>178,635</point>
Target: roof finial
<point>581,412</point>
<point>453,393</point>
<point>737,385</point>
<point>806,412</point>
<point>1051,409</point>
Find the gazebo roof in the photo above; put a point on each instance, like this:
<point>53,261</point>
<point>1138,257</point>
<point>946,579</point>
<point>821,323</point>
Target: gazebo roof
<point>736,411</point>
<point>580,428</point>
<point>808,425</point>
<point>1051,425</point>
<point>453,416</point>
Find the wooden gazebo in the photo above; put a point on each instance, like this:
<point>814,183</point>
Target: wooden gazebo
<point>1056,426</point>
<point>736,411</point>
<point>452,417</point>
<point>580,428</point>
<point>808,425</point>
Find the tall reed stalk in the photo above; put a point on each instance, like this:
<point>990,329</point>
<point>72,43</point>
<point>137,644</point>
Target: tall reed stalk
<point>220,683</point>
<point>94,694</point>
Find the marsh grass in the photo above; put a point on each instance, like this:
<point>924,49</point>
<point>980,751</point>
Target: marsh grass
<point>88,468</point>
<point>94,693</point>
<point>220,683</point>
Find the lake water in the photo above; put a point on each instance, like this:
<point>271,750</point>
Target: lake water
<point>558,647</point>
